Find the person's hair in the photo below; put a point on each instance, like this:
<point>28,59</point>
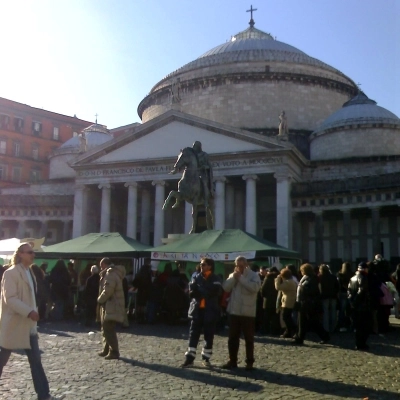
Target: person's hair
<point>307,269</point>
<point>168,268</point>
<point>292,269</point>
<point>286,273</point>
<point>43,266</point>
<point>38,272</point>
<point>16,258</point>
<point>104,260</point>
<point>94,269</point>
<point>274,270</point>
<point>241,259</point>
<point>198,268</point>
<point>346,269</point>
<point>324,269</point>
<point>210,262</point>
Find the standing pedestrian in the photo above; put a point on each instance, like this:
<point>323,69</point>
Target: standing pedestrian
<point>344,276</point>
<point>270,294</point>
<point>359,294</point>
<point>111,308</point>
<point>243,284</point>
<point>204,311</point>
<point>19,316</point>
<point>329,288</point>
<point>91,293</point>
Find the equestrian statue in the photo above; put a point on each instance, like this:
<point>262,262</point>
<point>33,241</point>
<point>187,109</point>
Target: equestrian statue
<point>196,185</point>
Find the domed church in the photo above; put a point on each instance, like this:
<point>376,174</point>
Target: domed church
<point>300,156</point>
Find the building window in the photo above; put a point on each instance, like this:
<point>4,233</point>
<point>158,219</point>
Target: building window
<point>18,124</point>
<point>16,174</point>
<point>3,172</point>
<point>56,135</point>
<point>35,151</point>
<point>36,128</point>
<point>4,121</point>
<point>35,175</point>
<point>3,146</point>
<point>16,149</point>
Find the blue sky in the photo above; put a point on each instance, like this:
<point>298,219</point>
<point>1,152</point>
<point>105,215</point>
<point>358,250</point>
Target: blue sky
<point>103,56</point>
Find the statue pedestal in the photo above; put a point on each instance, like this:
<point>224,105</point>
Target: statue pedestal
<point>173,237</point>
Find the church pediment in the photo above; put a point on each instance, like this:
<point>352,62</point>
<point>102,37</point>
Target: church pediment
<point>164,136</point>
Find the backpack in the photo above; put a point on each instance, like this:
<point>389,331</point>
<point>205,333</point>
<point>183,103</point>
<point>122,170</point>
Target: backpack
<point>387,298</point>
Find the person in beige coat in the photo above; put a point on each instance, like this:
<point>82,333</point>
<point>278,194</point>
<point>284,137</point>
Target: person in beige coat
<point>285,284</point>
<point>19,316</point>
<point>243,284</point>
<point>111,302</point>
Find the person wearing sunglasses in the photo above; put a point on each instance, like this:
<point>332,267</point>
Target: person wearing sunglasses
<point>204,312</point>
<point>19,316</point>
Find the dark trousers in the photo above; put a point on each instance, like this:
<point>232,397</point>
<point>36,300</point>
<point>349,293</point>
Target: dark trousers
<point>110,340</point>
<point>237,325</point>
<point>38,375</point>
<point>362,324</point>
<point>310,321</point>
<point>271,322</point>
<point>288,320</point>
<point>196,327</point>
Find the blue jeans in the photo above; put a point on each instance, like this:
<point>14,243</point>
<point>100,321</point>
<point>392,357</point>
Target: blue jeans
<point>38,375</point>
<point>330,311</point>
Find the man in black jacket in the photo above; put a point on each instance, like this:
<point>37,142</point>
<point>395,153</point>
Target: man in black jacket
<point>359,297</point>
<point>204,311</point>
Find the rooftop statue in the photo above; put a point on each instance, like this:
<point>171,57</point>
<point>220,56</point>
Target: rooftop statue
<point>283,126</point>
<point>196,184</point>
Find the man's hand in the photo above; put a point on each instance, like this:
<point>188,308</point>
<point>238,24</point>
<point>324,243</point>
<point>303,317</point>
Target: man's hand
<point>34,316</point>
<point>236,274</point>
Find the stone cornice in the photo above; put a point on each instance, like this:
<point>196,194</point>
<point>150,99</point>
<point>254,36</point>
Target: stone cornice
<point>234,78</point>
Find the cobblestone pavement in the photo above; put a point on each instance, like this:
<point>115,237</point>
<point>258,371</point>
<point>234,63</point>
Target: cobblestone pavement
<point>151,355</point>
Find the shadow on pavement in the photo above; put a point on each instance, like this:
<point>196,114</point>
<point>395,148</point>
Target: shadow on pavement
<point>197,375</point>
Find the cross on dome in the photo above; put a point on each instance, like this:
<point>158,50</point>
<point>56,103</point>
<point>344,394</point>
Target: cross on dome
<point>251,23</point>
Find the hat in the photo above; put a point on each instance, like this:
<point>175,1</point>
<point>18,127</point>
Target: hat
<point>362,266</point>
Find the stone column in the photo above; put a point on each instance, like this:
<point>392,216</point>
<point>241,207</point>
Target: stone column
<point>376,230</point>
<point>105,207</point>
<point>219,213</point>
<point>251,203</point>
<point>159,212</point>
<point>80,215</point>
<point>347,245</point>
<point>131,218</point>
<point>283,211</point>
<point>145,217</point>
<point>43,229</point>
<point>229,206</point>
<point>239,208</point>
<point>66,231</point>
<point>188,217</point>
<point>319,237</point>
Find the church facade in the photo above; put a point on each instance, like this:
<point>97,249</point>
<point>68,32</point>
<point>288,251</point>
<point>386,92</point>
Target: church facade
<point>325,184</point>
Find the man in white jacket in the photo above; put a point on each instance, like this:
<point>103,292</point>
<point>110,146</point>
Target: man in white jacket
<point>243,284</point>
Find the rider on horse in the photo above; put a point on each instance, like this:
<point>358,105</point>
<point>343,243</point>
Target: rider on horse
<point>205,171</point>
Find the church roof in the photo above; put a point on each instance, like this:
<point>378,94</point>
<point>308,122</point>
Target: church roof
<point>359,110</point>
<point>252,44</point>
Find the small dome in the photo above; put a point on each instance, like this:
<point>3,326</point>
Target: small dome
<point>359,110</point>
<point>94,134</point>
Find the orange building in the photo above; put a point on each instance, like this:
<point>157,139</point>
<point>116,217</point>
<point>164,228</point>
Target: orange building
<point>27,137</point>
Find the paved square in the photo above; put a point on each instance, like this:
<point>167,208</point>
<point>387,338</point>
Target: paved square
<point>151,355</point>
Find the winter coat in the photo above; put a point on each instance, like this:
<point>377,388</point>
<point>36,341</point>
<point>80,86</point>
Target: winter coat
<point>175,297</point>
<point>207,289</point>
<point>268,291</point>
<point>359,293</point>
<point>243,299</point>
<point>308,294</point>
<point>60,281</point>
<point>112,295</point>
<point>142,282</point>
<point>91,291</point>
<point>16,305</point>
<point>329,286</point>
<point>288,287</point>
<point>344,280</point>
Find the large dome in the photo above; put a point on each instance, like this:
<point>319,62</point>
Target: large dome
<point>360,128</point>
<point>248,81</point>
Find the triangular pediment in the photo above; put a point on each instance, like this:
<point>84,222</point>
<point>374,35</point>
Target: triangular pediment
<point>165,135</point>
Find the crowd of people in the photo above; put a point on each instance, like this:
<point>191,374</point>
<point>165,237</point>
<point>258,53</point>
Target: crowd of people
<point>286,302</point>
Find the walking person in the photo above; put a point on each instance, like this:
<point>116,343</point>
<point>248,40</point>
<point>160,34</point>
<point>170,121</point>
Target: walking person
<point>111,308</point>
<point>243,284</point>
<point>19,316</point>
<point>204,311</point>
<point>310,306</point>
<point>359,294</point>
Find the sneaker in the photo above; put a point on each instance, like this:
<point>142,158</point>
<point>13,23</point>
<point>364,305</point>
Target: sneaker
<point>187,364</point>
<point>206,363</point>
<point>103,353</point>
<point>229,365</point>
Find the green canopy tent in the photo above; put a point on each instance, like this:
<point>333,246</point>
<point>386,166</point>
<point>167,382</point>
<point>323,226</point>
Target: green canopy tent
<point>94,245</point>
<point>223,246</point>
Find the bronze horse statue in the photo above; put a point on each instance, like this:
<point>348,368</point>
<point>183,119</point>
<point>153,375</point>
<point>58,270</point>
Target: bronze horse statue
<point>190,187</point>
